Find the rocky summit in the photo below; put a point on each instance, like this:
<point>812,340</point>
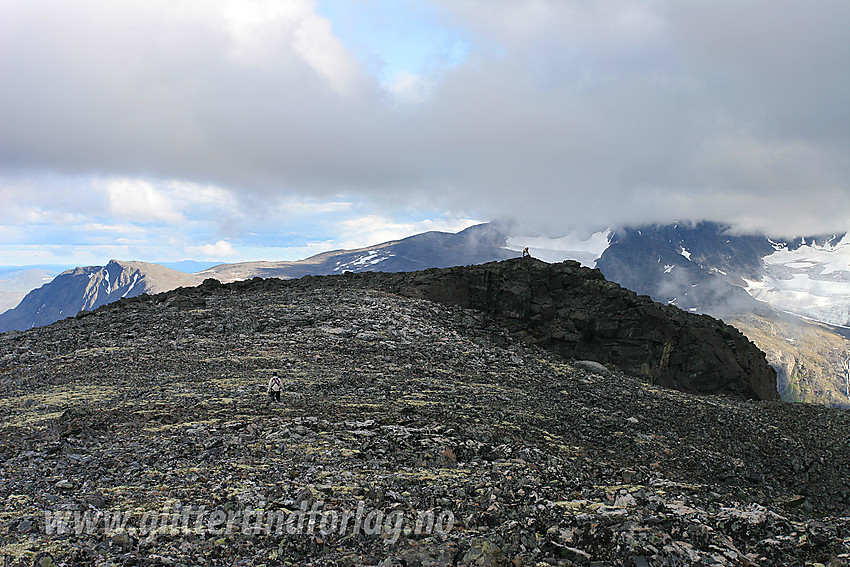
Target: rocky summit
<point>575,312</point>
<point>409,432</point>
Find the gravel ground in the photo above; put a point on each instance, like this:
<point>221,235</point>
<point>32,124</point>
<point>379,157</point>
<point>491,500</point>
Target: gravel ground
<point>409,433</point>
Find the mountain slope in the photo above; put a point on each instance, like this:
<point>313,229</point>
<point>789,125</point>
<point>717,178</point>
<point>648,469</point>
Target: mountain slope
<point>808,356</point>
<point>706,267</point>
<point>396,407</point>
<point>88,288</point>
<point>751,281</point>
<point>808,277</point>
<point>16,283</point>
<point>475,245</point>
<point>699,268</point>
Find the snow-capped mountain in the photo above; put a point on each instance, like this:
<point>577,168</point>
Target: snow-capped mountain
<point>84,289</point>
<point>790,297</point>
<point>809,277</point>
<point>706,267</point>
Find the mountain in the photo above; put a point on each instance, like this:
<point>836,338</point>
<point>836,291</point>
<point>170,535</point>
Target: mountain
<point>87,288</point>
<point>84,289</point>
<point>411,433</point>
<point>706,267</point>
<point>782,293</point>
<point>791,297</point>
<point>809,277</point>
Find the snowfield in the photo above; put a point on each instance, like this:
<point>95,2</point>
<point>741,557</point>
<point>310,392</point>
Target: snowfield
<point>812,281</point>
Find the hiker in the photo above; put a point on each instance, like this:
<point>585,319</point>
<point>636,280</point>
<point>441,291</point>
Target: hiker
<point>526,253</point>
<point>274,388</point>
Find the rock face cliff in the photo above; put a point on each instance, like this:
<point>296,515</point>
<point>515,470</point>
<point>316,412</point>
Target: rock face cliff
<point>575,312</point>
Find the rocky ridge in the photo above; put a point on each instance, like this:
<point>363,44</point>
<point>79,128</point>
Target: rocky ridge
<point>575,312</point>
<point>395,404</point>
<point>398,405</point>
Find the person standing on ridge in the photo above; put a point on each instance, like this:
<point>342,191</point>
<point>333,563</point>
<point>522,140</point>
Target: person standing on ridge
<point>525,253</point>
<point>274,388</point>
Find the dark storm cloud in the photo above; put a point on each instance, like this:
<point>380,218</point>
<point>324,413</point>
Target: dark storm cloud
<point>564,114</point>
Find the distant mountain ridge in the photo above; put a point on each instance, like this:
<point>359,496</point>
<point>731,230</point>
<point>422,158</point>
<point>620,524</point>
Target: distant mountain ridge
<point>708,268</point>
<point>762,285</point>
<point>703,267</point>
<point>87,288</point>
<point>791,297</point>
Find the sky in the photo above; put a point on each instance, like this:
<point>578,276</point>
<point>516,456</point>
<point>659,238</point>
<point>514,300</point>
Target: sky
<point>234,130</point>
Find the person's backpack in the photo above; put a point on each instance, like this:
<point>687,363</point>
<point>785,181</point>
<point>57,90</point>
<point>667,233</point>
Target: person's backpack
<point>275,383</point>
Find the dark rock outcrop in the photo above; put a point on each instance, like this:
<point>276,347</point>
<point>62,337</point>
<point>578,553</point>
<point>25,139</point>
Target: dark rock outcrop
<point>575,312</point>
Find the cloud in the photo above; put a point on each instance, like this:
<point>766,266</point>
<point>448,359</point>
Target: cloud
<point>564,114</point>
<point>139,200</point>
<point>409,88</point>
<point>264,33</point>
<point>375,229</point>
<point>218,251</point>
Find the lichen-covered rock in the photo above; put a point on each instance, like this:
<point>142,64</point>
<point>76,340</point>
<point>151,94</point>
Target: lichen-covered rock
<point>483,553</point>
<point>436,425</point>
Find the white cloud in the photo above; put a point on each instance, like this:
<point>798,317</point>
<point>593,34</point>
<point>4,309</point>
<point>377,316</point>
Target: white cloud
<point>538,24</point>
<point>566,114</point>
<point>169,201</point>
<point>218,251</point>
<point>410,88</point>
<point>39,215</point>
<point>139,200</point>
<point>307,206</point>
<point>68,255</point>
<point>188,194</point>
<point>122,229</point>
<point>47,200</point>
<point>267,33</point>
<point>375,229</point>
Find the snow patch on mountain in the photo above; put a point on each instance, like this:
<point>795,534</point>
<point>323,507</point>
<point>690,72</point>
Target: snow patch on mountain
<point>812,281</point>
<point>371,258</point>
<point>132,285</point>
